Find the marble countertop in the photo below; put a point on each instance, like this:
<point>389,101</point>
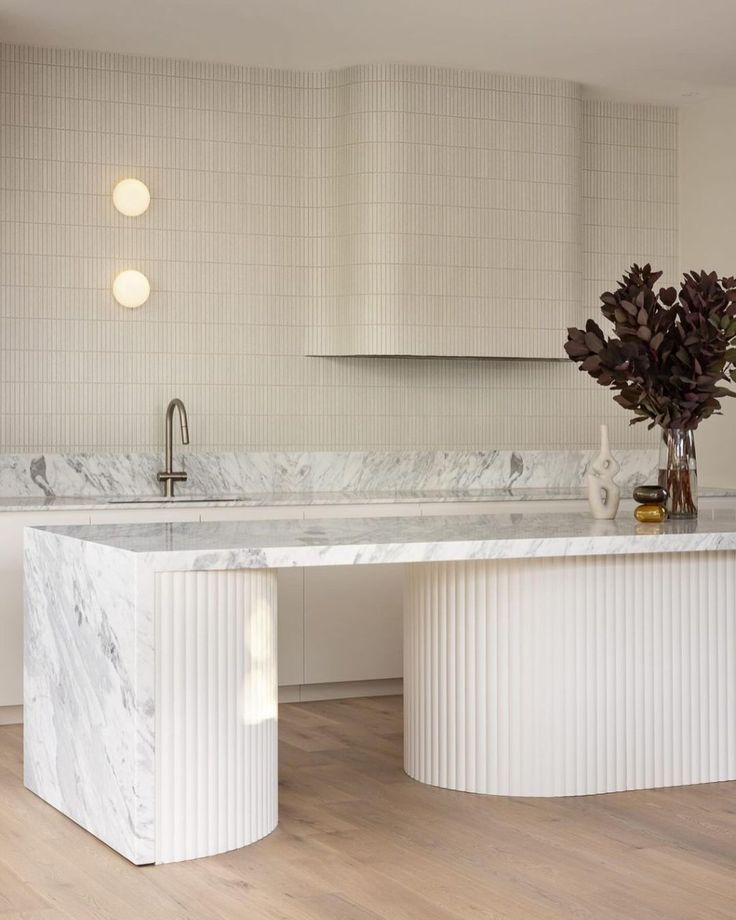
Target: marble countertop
<point>284,543</point>
<point>268,499</point>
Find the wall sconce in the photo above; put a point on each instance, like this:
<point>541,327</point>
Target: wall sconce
<point>131,289</point>
<point>131,197</point>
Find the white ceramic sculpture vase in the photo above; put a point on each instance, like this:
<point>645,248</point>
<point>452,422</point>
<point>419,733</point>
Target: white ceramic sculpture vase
<point>603,493</point>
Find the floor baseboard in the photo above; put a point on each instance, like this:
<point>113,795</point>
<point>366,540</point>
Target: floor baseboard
<point>11,715</point>
<point>342,690</point>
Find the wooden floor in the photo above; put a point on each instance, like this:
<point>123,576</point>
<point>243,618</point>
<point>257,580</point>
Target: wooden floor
<point>358,840</point>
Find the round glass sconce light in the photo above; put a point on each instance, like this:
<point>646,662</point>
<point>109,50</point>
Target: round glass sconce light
<point>131,197</point>
<point>131,289</point>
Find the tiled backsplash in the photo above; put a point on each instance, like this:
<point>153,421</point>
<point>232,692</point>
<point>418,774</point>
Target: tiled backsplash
<point>305,472</point>
<point>236,195</point>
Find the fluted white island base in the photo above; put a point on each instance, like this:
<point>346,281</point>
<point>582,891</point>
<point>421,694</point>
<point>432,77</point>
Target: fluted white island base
<point>216,773</point>
<point>571,676</point>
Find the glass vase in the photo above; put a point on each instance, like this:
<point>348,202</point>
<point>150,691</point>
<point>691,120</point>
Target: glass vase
<point>678,472</point>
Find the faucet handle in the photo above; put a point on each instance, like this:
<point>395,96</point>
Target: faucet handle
<point>172,476</point>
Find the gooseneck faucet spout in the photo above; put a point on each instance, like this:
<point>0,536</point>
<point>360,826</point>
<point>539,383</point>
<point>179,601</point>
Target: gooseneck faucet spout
<point>169,475</point>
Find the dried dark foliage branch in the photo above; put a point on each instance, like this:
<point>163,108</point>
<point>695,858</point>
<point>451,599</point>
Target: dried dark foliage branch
<point>669,352</point>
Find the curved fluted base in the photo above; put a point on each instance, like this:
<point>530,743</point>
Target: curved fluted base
<point>571,676</point>
<point>216,711</point>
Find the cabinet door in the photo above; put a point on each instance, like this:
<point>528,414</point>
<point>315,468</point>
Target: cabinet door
<point>253,513</point>
<point>290,600</point>
<point>11,593</point>
<point>352,623</point>
<point>532,506</point>
<point>367,510</point>
<point>138,515</point>
<point>353,614</point>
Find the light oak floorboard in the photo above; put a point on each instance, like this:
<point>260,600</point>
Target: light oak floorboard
<point>359,840</point>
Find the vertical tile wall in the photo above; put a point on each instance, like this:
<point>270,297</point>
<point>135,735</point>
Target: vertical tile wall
<point>629,191</point>
<point>229,245</point>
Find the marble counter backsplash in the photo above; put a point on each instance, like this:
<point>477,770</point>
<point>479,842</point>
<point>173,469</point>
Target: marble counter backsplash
<point>264,472</point>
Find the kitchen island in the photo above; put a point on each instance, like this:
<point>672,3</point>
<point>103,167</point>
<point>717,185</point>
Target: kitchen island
<point>544,655</point>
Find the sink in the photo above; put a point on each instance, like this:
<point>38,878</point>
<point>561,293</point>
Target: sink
<point>174,500</point>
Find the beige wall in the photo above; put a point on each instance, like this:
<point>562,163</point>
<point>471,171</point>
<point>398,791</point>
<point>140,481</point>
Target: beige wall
<point>708,240</point>
<point>237,170</point>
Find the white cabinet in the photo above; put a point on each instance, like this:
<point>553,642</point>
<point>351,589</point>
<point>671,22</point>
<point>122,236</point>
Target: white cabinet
<point>137,515</point>
<point>11,594</point>
<point>257,513</point>
<point>290,603</point>
<point>353,614</point>
<point>534,506</point>
<point>352,623</point>
<point>368,510</point>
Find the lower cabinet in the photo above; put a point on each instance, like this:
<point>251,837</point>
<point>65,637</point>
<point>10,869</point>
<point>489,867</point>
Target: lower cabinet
<point>353,615</point>
<point>11,594</point>
<point>144,516</point>
<point>352,623</point>
<point>290,600</point>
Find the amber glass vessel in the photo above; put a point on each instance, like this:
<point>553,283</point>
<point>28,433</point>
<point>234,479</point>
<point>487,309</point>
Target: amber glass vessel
<point>650,514</point>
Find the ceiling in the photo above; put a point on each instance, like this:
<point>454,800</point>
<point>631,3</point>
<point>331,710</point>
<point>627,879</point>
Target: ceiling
<point>654,50</point>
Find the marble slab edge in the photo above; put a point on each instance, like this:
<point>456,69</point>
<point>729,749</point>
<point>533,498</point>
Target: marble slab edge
<point>154,546</point>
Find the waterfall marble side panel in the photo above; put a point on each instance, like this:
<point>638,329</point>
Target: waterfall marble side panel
<point>88,694</point>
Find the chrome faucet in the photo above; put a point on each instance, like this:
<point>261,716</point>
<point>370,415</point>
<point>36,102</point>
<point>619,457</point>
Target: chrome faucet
<point>169,475</point>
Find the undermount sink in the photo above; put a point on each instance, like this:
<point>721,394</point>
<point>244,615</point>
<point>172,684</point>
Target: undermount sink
<point>174,499</point>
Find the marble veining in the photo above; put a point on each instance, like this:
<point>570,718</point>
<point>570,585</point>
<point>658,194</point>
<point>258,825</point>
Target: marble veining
<point>269,473</point>
<point>88,693</point>
<point>353,541</point>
